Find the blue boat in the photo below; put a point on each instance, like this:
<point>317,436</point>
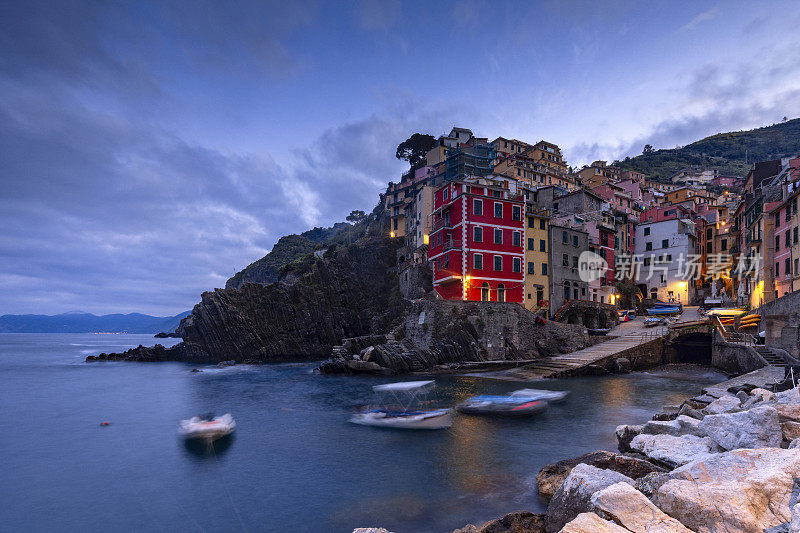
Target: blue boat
<point>664,311</point>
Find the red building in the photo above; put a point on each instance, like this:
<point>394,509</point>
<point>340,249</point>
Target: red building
<point>476,246</point>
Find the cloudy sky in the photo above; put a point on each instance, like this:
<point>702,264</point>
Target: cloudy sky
<point>148,151</point>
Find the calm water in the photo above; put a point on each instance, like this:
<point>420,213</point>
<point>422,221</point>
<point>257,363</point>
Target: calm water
<point>295,464</point>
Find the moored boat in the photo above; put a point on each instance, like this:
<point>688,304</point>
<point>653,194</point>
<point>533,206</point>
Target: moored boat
<point>207,427</point>
<point>398,408</point>
<point>652,321</point>
<point>512,406</point>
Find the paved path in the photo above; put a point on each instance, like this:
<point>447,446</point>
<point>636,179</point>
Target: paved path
<point>759,378</point>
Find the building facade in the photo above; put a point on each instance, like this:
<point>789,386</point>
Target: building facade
<point>537,259</point>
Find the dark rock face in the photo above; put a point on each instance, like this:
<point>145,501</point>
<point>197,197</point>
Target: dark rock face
<point>348,291</point>
<point>438,332</point>
<point>516,522</point>
<point>550,478</point>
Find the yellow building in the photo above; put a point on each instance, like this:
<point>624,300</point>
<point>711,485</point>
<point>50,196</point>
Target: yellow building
<point>537,267</point>
<point>598,173</point>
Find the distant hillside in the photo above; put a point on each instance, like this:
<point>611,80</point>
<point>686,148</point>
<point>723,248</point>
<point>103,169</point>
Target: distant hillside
<point>724,151</point>
<point>89,323</point>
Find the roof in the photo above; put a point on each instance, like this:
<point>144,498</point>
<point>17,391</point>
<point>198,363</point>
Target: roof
<point>402,386</point>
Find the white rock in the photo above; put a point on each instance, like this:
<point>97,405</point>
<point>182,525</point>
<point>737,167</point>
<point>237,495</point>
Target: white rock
<point>757,428</point>
<point>791,396</point>
<point>626,506</point>
<point>723,404</point>
<point>574,496</point>
<point>762,394</point>
<point>683,425</point>
<point>674,451</point>
<point>591,523</point>
<point>743,490</point>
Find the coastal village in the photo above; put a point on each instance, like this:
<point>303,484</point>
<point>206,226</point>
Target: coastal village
<point>505,220</point>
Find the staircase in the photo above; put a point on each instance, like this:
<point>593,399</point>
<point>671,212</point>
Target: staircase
<point>772,358</point>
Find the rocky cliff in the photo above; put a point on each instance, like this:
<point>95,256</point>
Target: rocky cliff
<point>438,332</point>
<point>344,292</point>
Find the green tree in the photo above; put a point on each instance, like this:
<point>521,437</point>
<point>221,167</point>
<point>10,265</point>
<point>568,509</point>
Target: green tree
<point>356,216</point>
<point>648,149</point>
<point>414,149</point>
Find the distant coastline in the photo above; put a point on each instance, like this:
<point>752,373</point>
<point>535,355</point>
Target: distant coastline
<point>89,323</point>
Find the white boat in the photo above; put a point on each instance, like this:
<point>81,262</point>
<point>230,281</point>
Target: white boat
<point>549,396</point>
<point>399,408</point>
<point>651,321</point>
<point>207,427</point>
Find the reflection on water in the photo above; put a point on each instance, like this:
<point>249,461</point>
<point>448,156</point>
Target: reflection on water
<point>203,449</point>
<point>295,463</point>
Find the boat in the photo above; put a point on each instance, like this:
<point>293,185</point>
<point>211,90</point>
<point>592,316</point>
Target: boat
<point>626,315</point>
<point>398,408</point>
<point>725,312</point>
<point>598,331</point>
<point>513,406</point>
<point>664,310</point>
<point>651,321</point>
<point>207,427</point>
<point>549,396</point>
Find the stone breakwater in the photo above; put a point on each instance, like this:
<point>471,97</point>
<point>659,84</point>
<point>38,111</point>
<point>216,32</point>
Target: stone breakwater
<point>712,464</point>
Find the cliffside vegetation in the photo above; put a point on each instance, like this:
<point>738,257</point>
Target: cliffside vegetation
<point>731,153</point>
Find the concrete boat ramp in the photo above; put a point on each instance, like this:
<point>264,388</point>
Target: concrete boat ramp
<point>634,347</point>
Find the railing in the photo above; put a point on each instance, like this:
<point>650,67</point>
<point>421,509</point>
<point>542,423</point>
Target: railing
<point>442,223</point>
<point>451,244</point>
<point>731,336</point>
<point>653,334</point>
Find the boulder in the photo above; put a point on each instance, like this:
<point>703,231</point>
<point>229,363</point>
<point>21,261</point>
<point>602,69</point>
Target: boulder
<point>673,451</point>
<point>622,365</point>
<point>787,412</point>
<point>743,396</point>
<point>648,484</point>
<point>791,396</point>
<point>625,435</point>
<point>794,444</point>
<point>223,364</point>
<point>723,404</point>
<point>762,394</point>
<point>756,428</point>
<point>682,425</point>
<point>688,411</point>
<point>790,430</point>
<point>574,496</point>
<point>591,523</point>
<point>516,522</point>
<point>626,506</point>
<point>367,353</point>
<point>363,367</point>
<point>738,491</point>
<point>550,478</point>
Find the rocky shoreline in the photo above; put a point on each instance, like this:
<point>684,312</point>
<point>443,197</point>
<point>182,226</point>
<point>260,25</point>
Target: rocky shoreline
<point>711,464</point>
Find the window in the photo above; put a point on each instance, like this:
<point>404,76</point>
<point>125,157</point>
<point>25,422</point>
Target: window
<point>498,210</point>
<point>531,267</point>
<point>564,237</point>
<point>531,243</point>
<point>787,267</point>
<point>566,292</point>
<point>794,235</point>
<point>648,246</point>
<point>788,238</point>
<point>542,224</point>
<point>516,212</point>
<point>498,262</point>
<point>544,269</point>
<point>542,245</point>
<point>477,261</point>
<point>447,260</point>
<point>501,292</point>
<point>445,194</point>
<point>788,213</point>
<point>777,269</point>
<point>539,295</point>
<point>485,292</point>
<point>531,223</point>
<point>574,261</point>
<point>646,261</point>
<point>574,240</point>
<point>565,260</point>
<point>777,242</point>
<point>516,264</point>
<point>477,234</point>
<point>497,194</point>
<point>724,245</point>
<point>477,207</point>
<point>575,292</point>
<point>498,236</point>
<point>516,238</point>
<point>647,231</point>
<point>665,243</point>
<point>709,233</point>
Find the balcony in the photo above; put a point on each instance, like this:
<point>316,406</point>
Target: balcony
<point>442,223</point>
<point>451,244</point>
